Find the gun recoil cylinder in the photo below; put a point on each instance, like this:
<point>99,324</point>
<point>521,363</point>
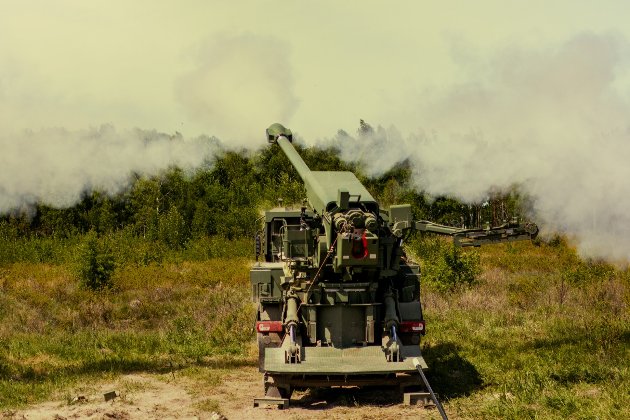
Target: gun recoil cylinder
<point>391,319</point>
<point>292,312</point>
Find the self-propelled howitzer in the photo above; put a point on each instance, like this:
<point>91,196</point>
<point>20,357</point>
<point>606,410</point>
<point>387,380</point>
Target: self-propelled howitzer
<point>338,302</point>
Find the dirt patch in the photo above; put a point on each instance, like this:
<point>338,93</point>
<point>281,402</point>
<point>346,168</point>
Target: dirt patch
<point>239,390</point>
<point>139,397</point>
<point>147,396</point>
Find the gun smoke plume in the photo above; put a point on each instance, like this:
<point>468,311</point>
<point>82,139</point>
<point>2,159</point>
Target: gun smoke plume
<point>56,166</point>
<point>552,122</point>
<point>239,84</point>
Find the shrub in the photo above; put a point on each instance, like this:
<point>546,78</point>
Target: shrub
<point>444,265</point>
<point>95,264</point>
<point>589,270</point>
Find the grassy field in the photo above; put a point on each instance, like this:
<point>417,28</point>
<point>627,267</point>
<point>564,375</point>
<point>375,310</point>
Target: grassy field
<point>540,334</point>
<point>54,333</point>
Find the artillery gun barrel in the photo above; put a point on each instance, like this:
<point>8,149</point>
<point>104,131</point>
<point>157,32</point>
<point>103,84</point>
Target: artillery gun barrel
<point>325,190</point>
<point>295,159</point>
<point>283,137</point>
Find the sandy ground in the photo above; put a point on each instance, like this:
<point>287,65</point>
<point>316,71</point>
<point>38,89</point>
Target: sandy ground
<point>146,396</point>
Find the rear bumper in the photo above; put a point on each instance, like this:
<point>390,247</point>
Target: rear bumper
<point>370,360</point>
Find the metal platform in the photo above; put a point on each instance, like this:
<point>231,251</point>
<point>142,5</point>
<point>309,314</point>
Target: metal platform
<point>348,361</point>
<point>418,398</point>
<point>281,403</point>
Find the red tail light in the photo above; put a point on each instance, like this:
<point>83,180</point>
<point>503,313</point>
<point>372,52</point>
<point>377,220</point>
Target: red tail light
<point>269,326</point>
<point>411,327</point>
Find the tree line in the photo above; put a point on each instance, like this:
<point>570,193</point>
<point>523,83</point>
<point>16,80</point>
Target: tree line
<point>226,199</point>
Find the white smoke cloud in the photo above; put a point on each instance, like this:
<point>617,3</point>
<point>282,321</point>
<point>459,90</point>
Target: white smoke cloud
<point>553,121</point>
<point>55,166</point>
<point>240,85</point>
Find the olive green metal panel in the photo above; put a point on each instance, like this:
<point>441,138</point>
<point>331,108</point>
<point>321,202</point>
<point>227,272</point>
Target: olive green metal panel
<point>335,361</point>
<point>265,281</point>
<point>400,213</point>
<point>341,325</point>
<point>323,188</point>
<point>298,243</point>
<point>281,212</point>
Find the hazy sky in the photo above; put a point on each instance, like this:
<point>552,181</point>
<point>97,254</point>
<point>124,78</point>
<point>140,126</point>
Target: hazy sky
<point>231,68</point>
<point>478,95</point>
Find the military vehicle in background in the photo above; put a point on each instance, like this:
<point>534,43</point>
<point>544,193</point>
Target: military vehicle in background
<point>338,302</point>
